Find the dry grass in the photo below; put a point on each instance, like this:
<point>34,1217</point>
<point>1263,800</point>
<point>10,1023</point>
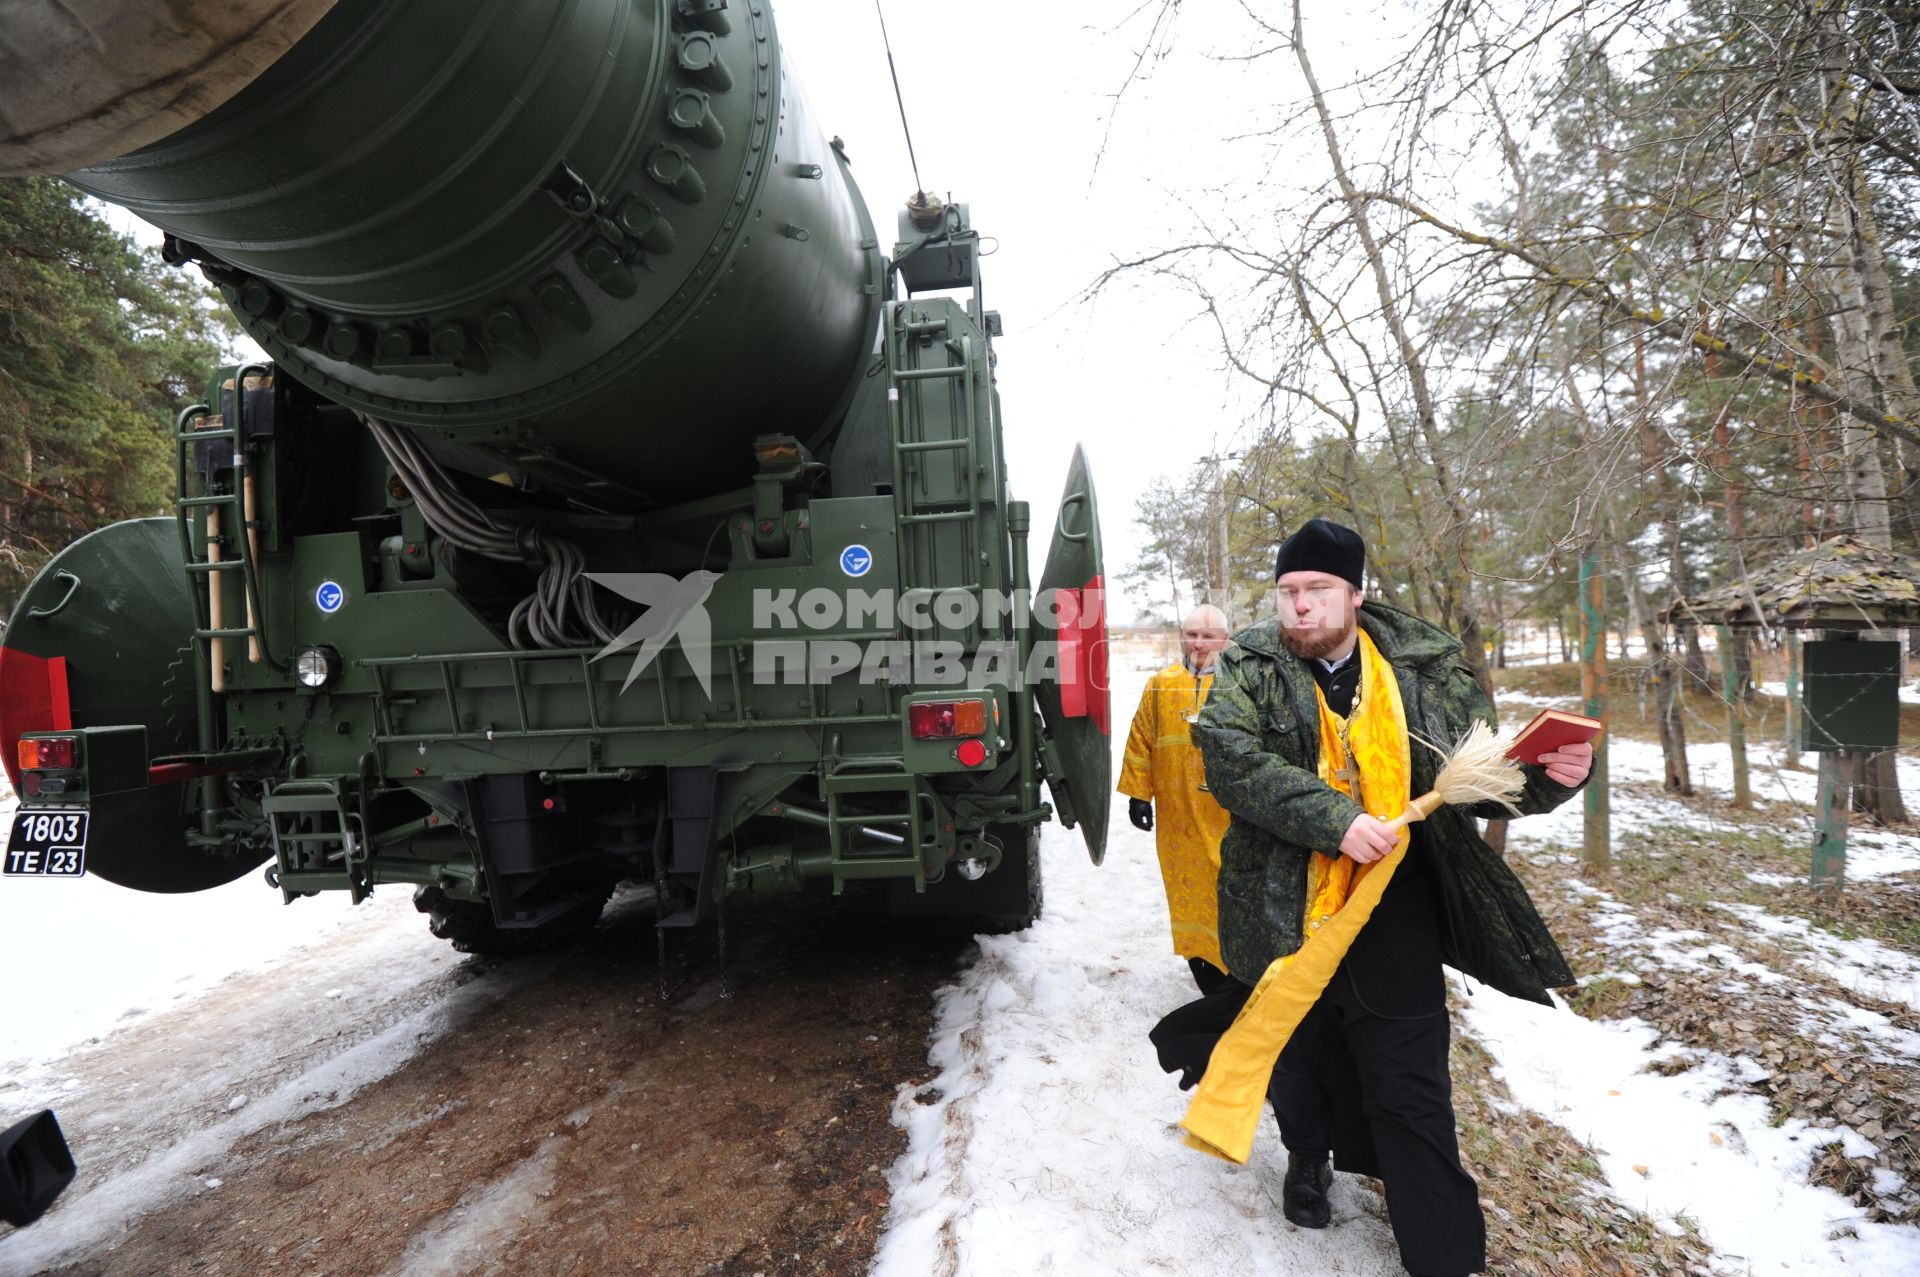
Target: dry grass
<point>1676,876</point>
<point>1549,1213</point>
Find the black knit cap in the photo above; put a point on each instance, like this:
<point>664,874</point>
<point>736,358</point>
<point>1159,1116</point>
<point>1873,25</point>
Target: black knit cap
<point>1323,546</point>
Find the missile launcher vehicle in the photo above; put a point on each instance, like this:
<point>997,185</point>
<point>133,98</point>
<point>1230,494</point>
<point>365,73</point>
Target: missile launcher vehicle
<point>613,503</point>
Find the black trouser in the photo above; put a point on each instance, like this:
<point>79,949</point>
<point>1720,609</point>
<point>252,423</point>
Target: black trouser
<point>1376,1091</point>
<point>1206,976</point>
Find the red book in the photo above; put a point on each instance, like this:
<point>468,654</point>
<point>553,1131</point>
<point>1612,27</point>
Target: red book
<point>1549,730</point>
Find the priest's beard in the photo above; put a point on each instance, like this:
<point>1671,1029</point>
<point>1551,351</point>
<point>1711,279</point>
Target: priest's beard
<point>1316,643</point>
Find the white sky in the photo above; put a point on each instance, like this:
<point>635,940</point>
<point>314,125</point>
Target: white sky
<point>1008,101</point>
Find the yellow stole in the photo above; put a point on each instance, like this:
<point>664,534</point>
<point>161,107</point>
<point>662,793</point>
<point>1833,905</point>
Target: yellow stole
<point>1341,896</point>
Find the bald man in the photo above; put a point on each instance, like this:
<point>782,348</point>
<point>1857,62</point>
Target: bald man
<point>1165,781</point>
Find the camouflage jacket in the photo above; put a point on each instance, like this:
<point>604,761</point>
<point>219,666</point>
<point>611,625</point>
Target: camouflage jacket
<point>1259,734</point>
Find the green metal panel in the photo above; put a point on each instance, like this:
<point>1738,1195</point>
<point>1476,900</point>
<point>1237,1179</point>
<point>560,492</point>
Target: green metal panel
<point>551,230</point>
<point>115,603</point>
<point>1852,695</point>
<point>1080,769</point>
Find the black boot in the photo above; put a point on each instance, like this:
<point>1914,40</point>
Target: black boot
<point>1303,1198</point>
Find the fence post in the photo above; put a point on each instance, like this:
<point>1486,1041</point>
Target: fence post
<point>1793,699</point>
<point>1736,721</point>
<point>1830,820</point>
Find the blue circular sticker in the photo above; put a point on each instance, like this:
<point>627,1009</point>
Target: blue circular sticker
<point>329,597</point>
<point>856,560</point>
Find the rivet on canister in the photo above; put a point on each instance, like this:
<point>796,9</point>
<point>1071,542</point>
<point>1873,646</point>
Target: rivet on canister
<point>673,168</point>
<point>504,325</point>
<point>558,300</point>
<point>691,113</point>
<point>342,340</point>
<point>297,324</point>
<point>449,340</point>
<point>258,299</point>
<point>700,59</point>
<point>394,343</point>
<point>602,264</point>
<point>644,222</point>
<point>598,258</point>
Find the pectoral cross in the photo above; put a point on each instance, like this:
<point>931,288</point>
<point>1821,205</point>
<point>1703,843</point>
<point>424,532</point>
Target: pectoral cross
<point>1349,770</point>
<point>1351,774</point>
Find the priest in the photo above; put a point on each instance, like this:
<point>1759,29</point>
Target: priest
<point>1315,736</point>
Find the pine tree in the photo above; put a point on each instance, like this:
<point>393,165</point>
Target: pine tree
<point>101,344</point>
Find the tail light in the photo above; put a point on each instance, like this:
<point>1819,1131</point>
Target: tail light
<point>47,753</point>
<point>936,720</point>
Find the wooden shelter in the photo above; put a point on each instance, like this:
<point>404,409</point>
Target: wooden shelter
<point>1848,700</point>
<point>1841,584</point>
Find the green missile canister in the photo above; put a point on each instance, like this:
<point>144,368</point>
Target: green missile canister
<point>537,230</point>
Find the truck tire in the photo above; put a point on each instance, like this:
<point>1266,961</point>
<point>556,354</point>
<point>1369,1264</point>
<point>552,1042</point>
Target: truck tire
<point>469,927</point>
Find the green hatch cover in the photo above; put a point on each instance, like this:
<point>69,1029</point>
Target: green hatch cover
<point>1075,700</point>
<point>113,614</point>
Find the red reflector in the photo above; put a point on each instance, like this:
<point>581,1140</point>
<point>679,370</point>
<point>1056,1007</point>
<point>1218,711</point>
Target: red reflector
<point>933,720</point>
<point>50,752</point>
<point>971,753</point>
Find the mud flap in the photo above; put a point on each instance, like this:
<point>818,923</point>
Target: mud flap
<point>1076,752</point>
<point>691,867</point>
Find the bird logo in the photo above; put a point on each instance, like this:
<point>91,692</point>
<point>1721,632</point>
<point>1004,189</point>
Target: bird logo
<point>675,609</point>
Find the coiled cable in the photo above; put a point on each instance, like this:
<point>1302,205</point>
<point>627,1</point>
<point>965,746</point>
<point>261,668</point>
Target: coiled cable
<point>561,611</point>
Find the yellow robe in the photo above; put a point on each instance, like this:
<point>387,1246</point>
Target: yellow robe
<point>1163,766</point>
<point>1225,1110</point>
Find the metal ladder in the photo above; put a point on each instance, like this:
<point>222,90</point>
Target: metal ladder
<point>318,844</point>
<point>914,515</point>
<point>852,859</point>
<point>227,525</point>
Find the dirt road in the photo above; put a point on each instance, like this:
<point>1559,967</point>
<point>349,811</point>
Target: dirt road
<point>545,1117</point>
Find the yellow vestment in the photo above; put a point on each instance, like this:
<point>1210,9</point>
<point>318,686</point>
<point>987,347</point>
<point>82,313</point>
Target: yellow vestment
<point>1225,1110</point>
<point>1163,766</point>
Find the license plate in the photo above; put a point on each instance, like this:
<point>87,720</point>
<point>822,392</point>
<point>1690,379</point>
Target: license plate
<point>47,843</point>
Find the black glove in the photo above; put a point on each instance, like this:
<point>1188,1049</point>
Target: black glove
<point>1140,812</point>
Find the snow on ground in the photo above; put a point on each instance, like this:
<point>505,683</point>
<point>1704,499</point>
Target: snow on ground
<point>104,957</point>
<point>1695,1144</point>
<point>157,1026</point>
<point>1698,1144</point>
<point>1864,966</point>
<point>1047,1144</point>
